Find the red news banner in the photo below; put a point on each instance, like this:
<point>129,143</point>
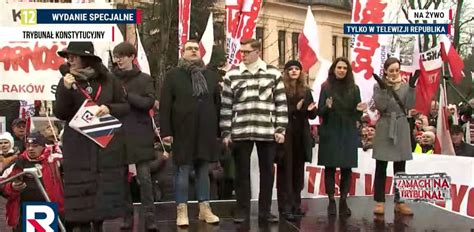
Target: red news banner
<point>459,169</point>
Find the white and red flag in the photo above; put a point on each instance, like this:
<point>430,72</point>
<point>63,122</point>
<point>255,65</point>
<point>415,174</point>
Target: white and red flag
<point>308,42</point>
<point>141,60</point>
<point>455,62</point>
<point>207,41</point>
<point>442,125</point>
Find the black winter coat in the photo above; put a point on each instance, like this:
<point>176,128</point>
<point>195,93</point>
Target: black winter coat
<point>338,133</point>
<point>298,132</point>
<point>192,121</point>
<point>137,125</point>
<point>94,177</point>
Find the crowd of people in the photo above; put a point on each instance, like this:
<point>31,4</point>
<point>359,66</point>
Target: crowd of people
<point>202,133</point>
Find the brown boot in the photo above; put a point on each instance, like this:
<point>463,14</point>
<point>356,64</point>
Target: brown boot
<point>379,208</point>
<point>403,208</point>
<point>182,215</point>
<point>205,213</point>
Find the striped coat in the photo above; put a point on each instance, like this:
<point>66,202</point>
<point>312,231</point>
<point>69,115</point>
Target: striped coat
<point>253,106</point>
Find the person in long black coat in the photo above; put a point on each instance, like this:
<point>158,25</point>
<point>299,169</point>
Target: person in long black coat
<point>299,143</point>
<point>189,107</point>
<point>94,177</point>
<point>339,108</point>
<point>138,128</point>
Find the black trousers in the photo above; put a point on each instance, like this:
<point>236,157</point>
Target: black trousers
<point>330,182</point>
<point>146,190</point>
<point>290,179</point>
<point>380,176</point>
<point>266,156</point>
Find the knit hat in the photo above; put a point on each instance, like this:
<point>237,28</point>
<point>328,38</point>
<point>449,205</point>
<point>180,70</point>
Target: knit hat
<point>293,63</point>
<point>37,138</point>
<point>430,134</point>
<point>9,137</point>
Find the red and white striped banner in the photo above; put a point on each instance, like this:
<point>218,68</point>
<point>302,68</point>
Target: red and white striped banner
<point>184,14</point>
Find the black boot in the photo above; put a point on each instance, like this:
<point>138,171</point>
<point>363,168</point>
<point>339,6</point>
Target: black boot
<point>98,226</point>
<point>150,222</point>
<point>332,205</point>
<point>127,223</point>
<point>287,215</point>
<point>344,210</point>
<point>299,213</point>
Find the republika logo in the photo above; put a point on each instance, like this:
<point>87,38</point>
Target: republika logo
<point>40,216</point>
<point>87,116</point>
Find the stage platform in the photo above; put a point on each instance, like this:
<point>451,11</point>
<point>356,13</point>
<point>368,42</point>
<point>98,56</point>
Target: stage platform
<point>426,218</point>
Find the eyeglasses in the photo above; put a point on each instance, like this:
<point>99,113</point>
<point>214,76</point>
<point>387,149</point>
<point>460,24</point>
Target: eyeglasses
<point>192,49</point>
<point>246,52</point>
<point>119,57</point>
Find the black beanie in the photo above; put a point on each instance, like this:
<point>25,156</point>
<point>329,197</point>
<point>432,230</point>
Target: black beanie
<point>293,63</point>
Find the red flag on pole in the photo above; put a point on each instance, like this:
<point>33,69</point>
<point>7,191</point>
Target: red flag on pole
<point>430,67</point>
<point>449,54</point>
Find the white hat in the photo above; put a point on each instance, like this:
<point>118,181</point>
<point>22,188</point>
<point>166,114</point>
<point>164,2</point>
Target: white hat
<point>9,137</point>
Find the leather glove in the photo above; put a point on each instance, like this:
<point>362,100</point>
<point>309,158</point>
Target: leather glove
<point>414,78</point>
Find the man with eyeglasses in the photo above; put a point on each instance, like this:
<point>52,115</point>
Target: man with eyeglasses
<point>189,108</point>
<point>253,111</point>
<point>138,128</point>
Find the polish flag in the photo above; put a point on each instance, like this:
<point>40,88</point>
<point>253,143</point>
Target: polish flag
<point>308,42</point>
<point>442,125</point>
<point>141,58</point>
<point>207,41</point>
<point>449,54</point>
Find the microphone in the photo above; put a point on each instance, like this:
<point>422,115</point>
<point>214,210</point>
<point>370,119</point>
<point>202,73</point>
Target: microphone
<point>64,69</point>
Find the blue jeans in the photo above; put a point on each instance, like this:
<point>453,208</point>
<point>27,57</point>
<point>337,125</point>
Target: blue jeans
<point>181,181</point>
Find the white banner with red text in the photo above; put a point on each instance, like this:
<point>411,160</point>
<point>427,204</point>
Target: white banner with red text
<point>460,169</point>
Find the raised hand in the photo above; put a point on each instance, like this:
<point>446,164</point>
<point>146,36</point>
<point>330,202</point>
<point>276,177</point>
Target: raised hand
<point>299,105</point>
<point>329,102</point>
<point>311,106</point>
<point>361,106</point>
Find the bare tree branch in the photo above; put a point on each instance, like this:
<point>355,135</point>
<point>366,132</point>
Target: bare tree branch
<point>465,22</point>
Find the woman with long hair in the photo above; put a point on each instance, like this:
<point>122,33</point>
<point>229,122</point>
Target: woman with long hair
<point>298,145</point>
<point>94,187</point>
<point>392,141</point>
<point>339,108</point>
